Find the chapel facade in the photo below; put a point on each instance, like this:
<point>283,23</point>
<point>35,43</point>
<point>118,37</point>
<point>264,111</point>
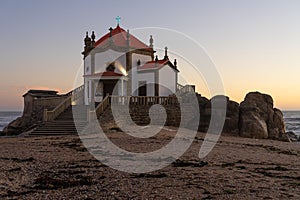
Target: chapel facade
<point>118,63</point>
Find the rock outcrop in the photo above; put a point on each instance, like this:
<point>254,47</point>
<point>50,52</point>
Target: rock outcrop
<point>259,119</point>
<point>15,127</point>
<point>255,117</point>
<point>231,118</point>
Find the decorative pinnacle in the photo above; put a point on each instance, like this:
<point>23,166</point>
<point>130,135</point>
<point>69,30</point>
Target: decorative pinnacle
<point>151,41</point>
<point>110,31</point>
<point>128,34</point>
<point>166,53</point>
<point>93,35</point>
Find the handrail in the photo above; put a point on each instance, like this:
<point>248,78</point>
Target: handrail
<point>71,96</point>
<point>179,87</point>
<point>185,89</point>
<point>76,90</point>
<point>52,114</point>
<point>144,100</point>
<point>101,107</point>
<point>134,100</point>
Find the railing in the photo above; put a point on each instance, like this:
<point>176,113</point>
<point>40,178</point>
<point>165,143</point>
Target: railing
<point>101,107</point>
<point>52,114</point>
<point>72,96</point>
<point>131,100</point>
<point>179,87</point>
<point>75,91</point>
<point>143,100</point>
<point>184,89</point>
<point>77,94</point>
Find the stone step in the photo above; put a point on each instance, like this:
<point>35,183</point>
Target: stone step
<point>58,128</point>
<point>64,124</point>
<point>49,134</point>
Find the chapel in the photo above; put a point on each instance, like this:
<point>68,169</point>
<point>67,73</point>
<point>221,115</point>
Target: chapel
<point>120,64</point>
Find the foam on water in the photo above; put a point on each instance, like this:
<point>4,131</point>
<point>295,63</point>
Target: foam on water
<point>7,117</point>
<point>292,121</point>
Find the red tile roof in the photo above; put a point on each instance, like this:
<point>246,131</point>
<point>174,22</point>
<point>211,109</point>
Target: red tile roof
<point>119,37</point>
<point>153,64</point>
<point>107,73</point>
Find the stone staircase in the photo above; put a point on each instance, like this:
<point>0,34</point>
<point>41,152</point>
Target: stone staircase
<point>60,121</point>
<point>64,123</point>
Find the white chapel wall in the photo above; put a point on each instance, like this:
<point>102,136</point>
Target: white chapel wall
<point>167,81</point>
<point>101,60</point>
<point>135,78</point>
<point>150,81</point>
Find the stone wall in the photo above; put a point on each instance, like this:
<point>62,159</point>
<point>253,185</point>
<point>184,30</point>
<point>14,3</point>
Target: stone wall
<point>255,117</point>
<point>32,113</point>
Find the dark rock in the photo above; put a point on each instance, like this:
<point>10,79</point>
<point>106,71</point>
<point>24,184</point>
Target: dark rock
<point>292,137</point>
<point>231,118</point>
<point>15,127</point>
<point>277,126</point>
<point>157,175</point>
<point>258,118</point>
<point>184,163</point>
<point>204,114</point>
<point>46,181</point>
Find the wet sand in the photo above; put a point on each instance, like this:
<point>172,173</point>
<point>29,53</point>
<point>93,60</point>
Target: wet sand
<point>59,167</point>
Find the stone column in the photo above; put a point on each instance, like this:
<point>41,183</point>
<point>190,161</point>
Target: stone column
<point>92,106</point>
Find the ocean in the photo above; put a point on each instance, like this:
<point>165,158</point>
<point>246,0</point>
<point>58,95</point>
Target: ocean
<point>7,117</point>
<point>292,120</point>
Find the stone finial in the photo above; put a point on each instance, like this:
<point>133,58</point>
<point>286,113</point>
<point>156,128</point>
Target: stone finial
<point>110,31</point>
<point>175,63</point>
<point>87,38</point>
<point>156,58</point>
<point>128,38</point>
<point>93,38</point>
<point>151,41</point>
<point>87,41</point>
<point>87,44</point>
<point>128,34</point>
<point>166,53</point>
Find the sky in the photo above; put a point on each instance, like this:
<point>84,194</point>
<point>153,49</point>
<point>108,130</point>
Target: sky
<point>254,44</point>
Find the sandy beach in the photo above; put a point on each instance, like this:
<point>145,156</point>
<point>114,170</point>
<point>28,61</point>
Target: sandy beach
<point>59,167</point>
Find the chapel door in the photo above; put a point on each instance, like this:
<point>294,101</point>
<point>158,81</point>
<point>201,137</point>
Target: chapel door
<point>142,88</point>
<point>108,88</point>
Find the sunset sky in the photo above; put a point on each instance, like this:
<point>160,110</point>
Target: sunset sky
<point>254,44</point>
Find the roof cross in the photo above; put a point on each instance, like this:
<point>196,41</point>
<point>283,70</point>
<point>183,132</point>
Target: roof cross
<point>118,18</point>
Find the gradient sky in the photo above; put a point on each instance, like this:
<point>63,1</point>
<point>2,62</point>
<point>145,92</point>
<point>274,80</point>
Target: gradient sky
<point>255,44</point>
